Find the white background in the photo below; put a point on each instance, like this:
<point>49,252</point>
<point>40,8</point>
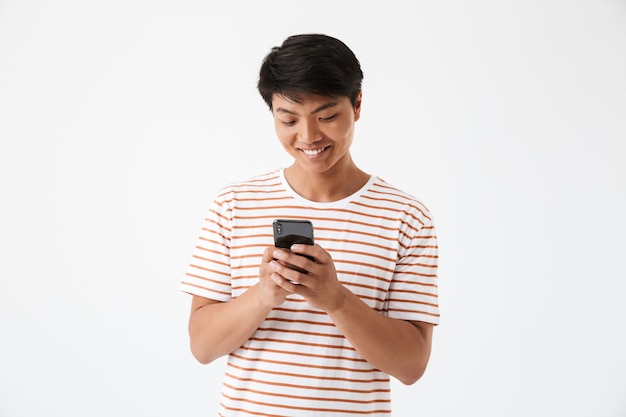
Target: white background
<point>119,120</point>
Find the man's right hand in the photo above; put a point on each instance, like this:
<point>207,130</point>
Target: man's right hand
<point>267,291</point>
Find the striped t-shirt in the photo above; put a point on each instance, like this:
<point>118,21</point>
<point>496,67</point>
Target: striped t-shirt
<point>383,244</point>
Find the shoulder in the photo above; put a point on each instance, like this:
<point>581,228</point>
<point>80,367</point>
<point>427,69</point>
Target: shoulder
<point>404,203</point>
<point>257,185</point>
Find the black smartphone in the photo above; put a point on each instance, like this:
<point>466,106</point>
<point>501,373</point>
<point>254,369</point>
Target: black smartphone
<point>289,231</point>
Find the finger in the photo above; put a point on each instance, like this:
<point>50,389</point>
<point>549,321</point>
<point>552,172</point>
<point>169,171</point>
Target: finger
<point>284,283</point>
<point>293,261</point>
<point>316,252</point>
<point>268,254</point>
<point>278,267</point>
<point>288,272</point>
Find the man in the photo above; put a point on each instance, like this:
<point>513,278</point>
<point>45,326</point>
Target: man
<point>323,341</point>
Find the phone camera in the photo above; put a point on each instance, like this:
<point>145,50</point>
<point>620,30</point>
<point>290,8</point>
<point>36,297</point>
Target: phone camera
<point>279,228</point>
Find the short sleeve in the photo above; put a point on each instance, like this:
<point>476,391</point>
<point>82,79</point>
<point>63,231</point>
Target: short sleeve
<point>208,274</point>
<point>413,293</point>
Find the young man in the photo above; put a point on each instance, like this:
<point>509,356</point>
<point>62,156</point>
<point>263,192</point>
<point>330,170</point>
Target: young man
<point>324,341</point>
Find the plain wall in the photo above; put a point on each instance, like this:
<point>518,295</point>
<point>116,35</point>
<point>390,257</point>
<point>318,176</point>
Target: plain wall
<point>120,120</point>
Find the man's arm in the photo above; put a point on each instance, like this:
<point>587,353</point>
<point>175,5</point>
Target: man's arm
<point>218,328</point>
<point>397,347</point>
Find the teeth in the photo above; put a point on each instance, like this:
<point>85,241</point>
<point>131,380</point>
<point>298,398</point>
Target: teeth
<point>312,152</point>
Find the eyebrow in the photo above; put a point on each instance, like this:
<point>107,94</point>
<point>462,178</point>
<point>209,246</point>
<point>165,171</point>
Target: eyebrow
<point>317,110</point>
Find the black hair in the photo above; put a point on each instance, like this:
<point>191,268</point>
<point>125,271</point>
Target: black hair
<point>310,63</point>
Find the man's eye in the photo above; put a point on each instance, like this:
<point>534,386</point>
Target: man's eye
<point>288,123</point>
<point>328,119</point>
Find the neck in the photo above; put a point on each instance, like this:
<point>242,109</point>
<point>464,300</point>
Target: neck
<point>326,186</point>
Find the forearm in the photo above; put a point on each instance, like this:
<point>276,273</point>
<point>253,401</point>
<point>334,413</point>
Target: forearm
<point>394,346</point>
<point>216,328</point>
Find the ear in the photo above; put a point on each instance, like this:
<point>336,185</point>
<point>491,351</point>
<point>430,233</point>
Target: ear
<point>357,106</point>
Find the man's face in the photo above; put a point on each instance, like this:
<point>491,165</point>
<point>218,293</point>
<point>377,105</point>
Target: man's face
<point>317,132</point>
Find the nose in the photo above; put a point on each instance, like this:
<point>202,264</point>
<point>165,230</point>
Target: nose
<point>309,132</point>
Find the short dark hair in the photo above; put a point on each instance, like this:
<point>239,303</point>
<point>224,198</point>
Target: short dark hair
<point>310,63</point>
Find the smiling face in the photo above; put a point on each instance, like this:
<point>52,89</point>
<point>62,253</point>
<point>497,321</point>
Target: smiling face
<point>317,132</point>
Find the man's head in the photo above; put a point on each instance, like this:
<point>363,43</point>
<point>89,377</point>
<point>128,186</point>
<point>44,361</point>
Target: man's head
<point>310,64</point>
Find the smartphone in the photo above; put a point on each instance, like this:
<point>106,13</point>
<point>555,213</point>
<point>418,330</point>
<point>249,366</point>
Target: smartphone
<point>288,232</point>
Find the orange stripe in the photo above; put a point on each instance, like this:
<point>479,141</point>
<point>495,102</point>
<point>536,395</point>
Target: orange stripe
<point>210,260</point>
<point>207,279</point>
<point>365,254</point>
<point>294,408</point>
<point>420,265</point>
<point>241,410</point>
<point>358,232</point>
<point>358,242</point>
<point>206,289</point>
<point>302,397</point>
<point>308,376</point>
<point>317,388</point>
<point>315,323</point>
<point>423,303</point>
<point>252,226</point>
<point>417,274</point>
<point>423,284</point>
<point>426,313</point>
<point>312,218</point>
<point>293,331</point>
<point>304,365</point>
<point>427,294</point>
<point>289,310</point>
<point>215,242</point>
<point>209,270</point>
<point>306,354</point>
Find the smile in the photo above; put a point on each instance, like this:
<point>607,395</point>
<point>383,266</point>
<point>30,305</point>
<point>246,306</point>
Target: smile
<point>313,152</point>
